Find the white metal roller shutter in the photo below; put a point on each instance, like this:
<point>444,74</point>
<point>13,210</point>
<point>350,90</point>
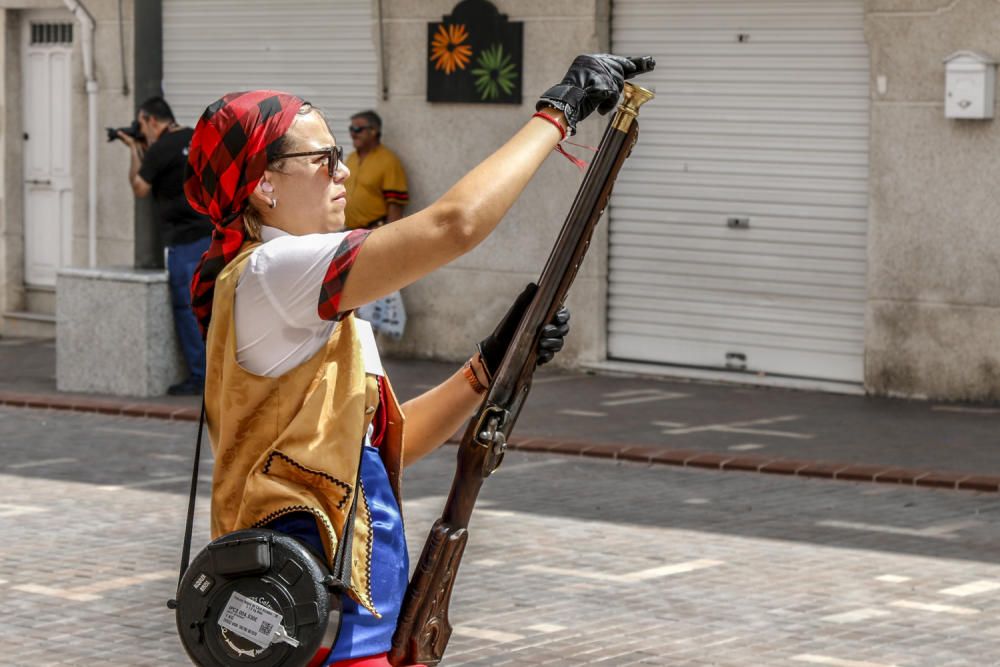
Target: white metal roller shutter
<point>761,113</point>
<point>321,50</point>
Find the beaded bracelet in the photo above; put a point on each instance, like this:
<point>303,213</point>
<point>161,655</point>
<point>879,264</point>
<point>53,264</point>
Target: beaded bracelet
<point>470,375</point>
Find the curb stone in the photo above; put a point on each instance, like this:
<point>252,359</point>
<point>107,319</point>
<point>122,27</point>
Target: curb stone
<point>615,451</point>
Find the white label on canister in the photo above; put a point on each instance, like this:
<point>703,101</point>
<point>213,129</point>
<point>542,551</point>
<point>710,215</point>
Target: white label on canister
<point>254,622</point>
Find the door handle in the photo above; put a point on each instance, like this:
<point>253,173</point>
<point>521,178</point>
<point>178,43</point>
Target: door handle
<point>35,181</point>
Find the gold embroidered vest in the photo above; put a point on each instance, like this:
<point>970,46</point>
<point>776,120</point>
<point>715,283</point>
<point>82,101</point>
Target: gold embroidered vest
<point>292,443</point>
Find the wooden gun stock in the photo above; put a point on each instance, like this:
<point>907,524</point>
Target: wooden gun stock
<point>427,626</point>
<point>423,630</point>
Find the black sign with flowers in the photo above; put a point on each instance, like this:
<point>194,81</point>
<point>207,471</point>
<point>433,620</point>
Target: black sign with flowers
<point>475,55</point>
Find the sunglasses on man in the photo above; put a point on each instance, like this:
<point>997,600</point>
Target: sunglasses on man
<point>358,129</point>
<point>334,155</point>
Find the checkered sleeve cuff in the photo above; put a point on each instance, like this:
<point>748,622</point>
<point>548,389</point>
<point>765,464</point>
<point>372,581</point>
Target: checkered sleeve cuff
<point>336,275</point>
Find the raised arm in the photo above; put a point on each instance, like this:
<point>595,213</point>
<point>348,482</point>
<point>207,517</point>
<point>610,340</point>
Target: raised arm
<point>396,255</point>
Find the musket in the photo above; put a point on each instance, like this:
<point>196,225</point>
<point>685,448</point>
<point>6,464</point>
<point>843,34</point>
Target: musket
<point>423,629</point>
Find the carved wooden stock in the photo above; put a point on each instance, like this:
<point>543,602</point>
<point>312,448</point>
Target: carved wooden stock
<point>423,630</point>
<point>425,627</point>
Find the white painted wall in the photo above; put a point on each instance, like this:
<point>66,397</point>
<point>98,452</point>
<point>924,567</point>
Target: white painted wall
<point>115,108</point>
<point>449,311</point>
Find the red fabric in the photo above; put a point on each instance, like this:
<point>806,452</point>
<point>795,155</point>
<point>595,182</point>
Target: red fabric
<point>226,159</point>
<point>336,274</point>
<point>319,658</point>
<point>371,661</point>
<point>380,420</point>
<point>396,196</point>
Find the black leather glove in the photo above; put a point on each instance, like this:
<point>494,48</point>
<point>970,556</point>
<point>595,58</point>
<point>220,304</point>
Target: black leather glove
<point>493,347</point>
<point>592,82</point>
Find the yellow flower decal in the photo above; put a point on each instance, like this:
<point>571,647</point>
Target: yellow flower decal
<point>447,50</point>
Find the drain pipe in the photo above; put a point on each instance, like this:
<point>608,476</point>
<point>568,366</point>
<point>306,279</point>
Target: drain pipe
<point>87,25</point>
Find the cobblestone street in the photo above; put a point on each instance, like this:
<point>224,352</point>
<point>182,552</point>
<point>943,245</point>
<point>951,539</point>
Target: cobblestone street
<point>571,561</point>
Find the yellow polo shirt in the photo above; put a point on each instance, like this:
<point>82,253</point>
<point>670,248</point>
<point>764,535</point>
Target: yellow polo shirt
<point>375,182</point>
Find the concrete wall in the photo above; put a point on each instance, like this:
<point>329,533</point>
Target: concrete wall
<point>452,309</point>
<point>11,224</point>
<point>6,243</point>
<point>136,306</point>
<point>115,107</point>
<point>933,324</point>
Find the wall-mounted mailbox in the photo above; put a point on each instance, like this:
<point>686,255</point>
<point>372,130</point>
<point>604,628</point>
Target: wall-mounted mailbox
<point>970,85</point>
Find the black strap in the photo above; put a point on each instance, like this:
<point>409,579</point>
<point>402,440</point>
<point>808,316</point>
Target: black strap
<point>341,557</point>
<point>186,550</point>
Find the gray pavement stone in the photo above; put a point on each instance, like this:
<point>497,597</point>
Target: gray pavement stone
<point>564,564</point>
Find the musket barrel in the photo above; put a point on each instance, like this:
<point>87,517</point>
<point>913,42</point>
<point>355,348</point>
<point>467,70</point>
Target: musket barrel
<point>423,629</point>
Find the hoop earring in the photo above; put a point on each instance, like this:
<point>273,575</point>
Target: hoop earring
<point>274,202</point>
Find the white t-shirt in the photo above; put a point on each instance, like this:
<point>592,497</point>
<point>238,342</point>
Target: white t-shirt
<point>278,326</point>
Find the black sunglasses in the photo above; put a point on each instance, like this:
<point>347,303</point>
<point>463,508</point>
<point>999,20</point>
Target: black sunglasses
<point>358,129</point>
<point>334,155</point>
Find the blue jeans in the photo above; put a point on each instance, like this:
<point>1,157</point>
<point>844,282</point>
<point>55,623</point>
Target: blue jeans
<point>182,260</point>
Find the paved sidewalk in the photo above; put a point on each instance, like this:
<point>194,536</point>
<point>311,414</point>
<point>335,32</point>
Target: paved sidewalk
<point>570,561</point>
<point>716,426</point>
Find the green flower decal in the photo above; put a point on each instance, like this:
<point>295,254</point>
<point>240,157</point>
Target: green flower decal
<point>494,73</point>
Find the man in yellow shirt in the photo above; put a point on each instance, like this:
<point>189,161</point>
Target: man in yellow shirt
<point>376,189</point>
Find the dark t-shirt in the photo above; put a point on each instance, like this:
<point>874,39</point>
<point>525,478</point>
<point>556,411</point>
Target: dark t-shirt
<point>163,168</point>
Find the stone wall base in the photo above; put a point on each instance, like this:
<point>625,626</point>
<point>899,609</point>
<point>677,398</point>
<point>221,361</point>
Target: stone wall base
<point>115,333</point>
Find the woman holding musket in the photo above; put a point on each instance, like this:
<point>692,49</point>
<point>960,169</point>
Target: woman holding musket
<point>295,393</point>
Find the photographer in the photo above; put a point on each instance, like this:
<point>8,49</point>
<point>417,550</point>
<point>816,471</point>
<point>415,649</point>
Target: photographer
<point>159,154</point>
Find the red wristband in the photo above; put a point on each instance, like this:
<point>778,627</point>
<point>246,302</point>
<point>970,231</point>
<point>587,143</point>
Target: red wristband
<point>542,114</point>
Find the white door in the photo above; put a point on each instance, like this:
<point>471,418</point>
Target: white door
<point>48,192</point>
<point>738,227</point>
<point>322,50</point>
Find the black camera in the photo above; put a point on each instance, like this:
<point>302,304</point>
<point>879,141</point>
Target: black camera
<point>131,131</point>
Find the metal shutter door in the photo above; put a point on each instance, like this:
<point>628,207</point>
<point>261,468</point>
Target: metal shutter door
<point>321,50</point>
<point>761,113</point>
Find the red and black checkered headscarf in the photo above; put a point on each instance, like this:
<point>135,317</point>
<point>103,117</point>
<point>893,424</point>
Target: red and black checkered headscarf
<point>227,158</point>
